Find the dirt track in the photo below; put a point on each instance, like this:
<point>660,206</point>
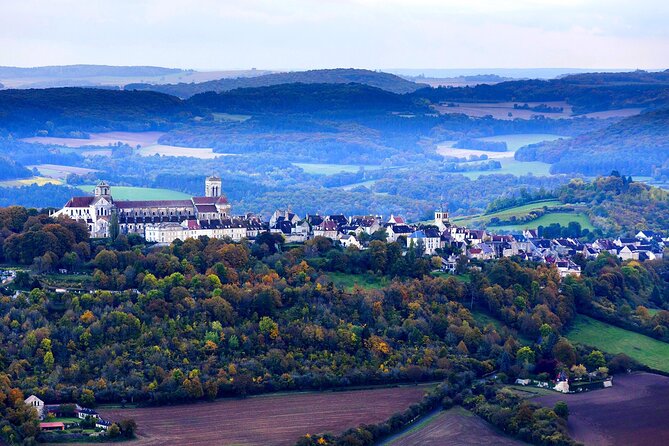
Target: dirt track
<point>266,420</point>
<point>635,411</point>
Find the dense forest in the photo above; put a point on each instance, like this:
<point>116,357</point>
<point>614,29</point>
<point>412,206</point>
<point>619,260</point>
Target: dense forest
<point>590,92</point>
<point>207,318</point>
<point>636,145</point>
<point>384,81</point>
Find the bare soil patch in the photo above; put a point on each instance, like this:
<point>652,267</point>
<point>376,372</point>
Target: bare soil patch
<point>272,419</point>
<point>634,411</point>
<point>454,427</point>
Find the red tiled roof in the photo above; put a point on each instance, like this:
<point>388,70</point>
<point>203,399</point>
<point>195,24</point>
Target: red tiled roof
<point>51,424</point>
<point>204,200</point>
<point>152,204</point>
<point>79,202</point>
<point>193,224</point>
<point>206,208</point>
<point>327,225</point>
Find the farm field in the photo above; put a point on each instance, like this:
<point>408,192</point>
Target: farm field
<point>611,339</point>
<point>563,218</point>
<point>141,193</point>
<point>331,169</point>
<point>456,426</point>
<point>59,171</point>
<point>501,110</point>
<point>102,139</point>
<point>518,211</point>
<point>40,181</point>
<point>164,150</point>
<point>272,419</point>
<point>632,412</point>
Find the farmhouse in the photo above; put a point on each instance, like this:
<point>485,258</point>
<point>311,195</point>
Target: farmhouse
<point>37,403</point>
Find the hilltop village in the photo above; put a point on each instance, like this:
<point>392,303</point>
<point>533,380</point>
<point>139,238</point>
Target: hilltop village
<point>164,221</point>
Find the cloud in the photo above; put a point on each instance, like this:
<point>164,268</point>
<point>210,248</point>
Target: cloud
<point>326,33</point>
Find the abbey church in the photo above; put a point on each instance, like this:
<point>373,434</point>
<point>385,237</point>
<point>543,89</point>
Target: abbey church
<point>160,220</point>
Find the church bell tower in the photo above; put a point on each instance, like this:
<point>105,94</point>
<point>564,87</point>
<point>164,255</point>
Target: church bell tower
<point>212,187</point>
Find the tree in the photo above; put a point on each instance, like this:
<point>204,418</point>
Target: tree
<point>525,356</point>
<point>561,409</point>
<point>564,352</point>
<point>114,431</point>
<point>128,426</point>
<point>87,398</point>
<point>579,371</point>
<point>48,360</point>
<point>595,360</point>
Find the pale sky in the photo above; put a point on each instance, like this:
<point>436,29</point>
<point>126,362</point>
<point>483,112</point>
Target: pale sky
<point>302,34</point>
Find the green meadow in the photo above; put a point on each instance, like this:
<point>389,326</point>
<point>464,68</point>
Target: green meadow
<point>611,339</point>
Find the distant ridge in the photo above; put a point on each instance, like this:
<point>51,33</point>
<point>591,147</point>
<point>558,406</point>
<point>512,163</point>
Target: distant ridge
<point>384,81</point>
<point>78,71</point>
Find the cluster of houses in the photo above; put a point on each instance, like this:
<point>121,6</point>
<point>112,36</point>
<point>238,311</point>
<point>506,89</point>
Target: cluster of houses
<point>55,411</point>
<point>444,237</point>
<point>165,221</point>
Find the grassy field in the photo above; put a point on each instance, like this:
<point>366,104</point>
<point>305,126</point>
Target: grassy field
<point>644,349</point>
<point>140,193</point>
<point>59,171</point>
<point>506,159</point>
<point>40,181</point>
<point>331,169</point>
<point>512,167</point>
<point>365,281</point>
<point>223,117</point>
<point>505,214</point>
<point>563,218</point>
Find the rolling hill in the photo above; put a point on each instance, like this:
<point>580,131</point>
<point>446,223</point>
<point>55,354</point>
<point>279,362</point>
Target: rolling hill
<point>589,92</point>
<point>306,98</point>
<point>384,81</point>
<point>635,145</point>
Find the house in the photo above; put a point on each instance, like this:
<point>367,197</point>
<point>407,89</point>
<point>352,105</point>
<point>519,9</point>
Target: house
<point>396,220</point>
<point>279,215</point>
<point>482,251</point>
<point>102,424</point>
<point>568,268</point>
<point>37,403</point>
<point>367,224</point>
<point>340,219</point>
<point>428,238</point>
<point>531,234</point>
<point>349,240</point>
<point>327,228</point>
<point>393,232</point>
<point>84,412</point>
<point>52,426</point>
<point>450,264</point>
<point>648,236</point>
<point>620,241</point>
